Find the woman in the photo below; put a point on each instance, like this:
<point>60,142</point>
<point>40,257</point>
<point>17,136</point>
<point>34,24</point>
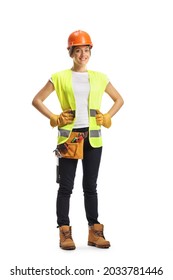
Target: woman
<point>79,92</point>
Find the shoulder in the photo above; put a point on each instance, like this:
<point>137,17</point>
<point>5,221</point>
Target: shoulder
<point>60,76</point>
<point>97,74</point>
<point>61,73</point>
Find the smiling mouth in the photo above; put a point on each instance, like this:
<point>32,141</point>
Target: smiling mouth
<point>83,59</point>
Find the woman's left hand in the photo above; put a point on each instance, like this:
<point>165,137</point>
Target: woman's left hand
<point>103,119</point>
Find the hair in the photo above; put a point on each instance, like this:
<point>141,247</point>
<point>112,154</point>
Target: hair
<point>71,50</point>
<point>73,47</point>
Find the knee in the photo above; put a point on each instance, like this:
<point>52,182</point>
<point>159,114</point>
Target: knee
<point>65,190</point>
<point>90,190</point>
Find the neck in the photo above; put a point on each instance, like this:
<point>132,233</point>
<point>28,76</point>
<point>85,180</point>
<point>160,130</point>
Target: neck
<point>77,68</point>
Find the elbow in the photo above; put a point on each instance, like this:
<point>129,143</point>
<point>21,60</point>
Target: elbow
<point>35,102</point>
<point>121,102</point>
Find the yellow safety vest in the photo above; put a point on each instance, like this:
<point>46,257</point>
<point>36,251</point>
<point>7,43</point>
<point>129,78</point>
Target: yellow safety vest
<point>63,86</point>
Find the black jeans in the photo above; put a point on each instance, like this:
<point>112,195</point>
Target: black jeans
<point>67,170</point>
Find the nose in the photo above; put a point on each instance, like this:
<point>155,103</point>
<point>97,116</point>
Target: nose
<point>82,52</point>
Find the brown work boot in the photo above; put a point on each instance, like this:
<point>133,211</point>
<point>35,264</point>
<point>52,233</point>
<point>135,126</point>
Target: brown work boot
<point>66,241</point>
<point>96,237</point>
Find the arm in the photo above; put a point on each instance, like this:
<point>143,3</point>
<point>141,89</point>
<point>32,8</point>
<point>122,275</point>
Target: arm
<point>116,97</point>
<point>105,119</point>
<point>37,102</point>
<point>64,118</point>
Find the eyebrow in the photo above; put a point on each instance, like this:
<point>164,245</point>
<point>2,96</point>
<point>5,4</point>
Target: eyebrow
<point>87,47</point>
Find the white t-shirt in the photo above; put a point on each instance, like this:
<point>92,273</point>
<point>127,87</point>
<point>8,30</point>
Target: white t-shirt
<point>81,89</point>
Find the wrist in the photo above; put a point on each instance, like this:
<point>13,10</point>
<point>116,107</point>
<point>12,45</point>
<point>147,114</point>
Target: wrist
<point>54,120</point>
<point>107,120</point>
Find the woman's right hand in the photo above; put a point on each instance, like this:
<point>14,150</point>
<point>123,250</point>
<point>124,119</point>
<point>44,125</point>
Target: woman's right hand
<point>66,117</point>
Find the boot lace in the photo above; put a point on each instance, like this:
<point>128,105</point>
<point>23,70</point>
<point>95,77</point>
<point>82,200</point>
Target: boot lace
<point>67,234</point>
<point>99,233</point>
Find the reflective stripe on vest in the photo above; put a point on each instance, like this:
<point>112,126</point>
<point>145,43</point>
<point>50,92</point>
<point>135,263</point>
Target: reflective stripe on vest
<point>93,112</point>
<point>66,133</point>
<point>95,133</point>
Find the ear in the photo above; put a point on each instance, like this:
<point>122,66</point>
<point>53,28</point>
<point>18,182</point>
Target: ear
<point>71,55</point>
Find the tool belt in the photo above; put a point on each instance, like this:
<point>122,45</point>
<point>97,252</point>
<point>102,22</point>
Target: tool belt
<point>73,147</point>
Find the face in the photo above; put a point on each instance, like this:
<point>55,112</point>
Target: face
<point>81,55</point>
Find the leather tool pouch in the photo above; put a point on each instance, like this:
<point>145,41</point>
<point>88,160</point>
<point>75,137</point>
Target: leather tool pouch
<point>73,147</point>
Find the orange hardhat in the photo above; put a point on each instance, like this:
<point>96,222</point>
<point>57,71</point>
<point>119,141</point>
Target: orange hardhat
<point>79,38</point>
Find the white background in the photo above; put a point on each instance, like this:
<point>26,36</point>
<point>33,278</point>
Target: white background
<point>133,46</point>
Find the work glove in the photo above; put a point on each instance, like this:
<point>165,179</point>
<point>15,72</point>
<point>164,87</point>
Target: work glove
<point>103,119</point>
<point>64,118</point>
